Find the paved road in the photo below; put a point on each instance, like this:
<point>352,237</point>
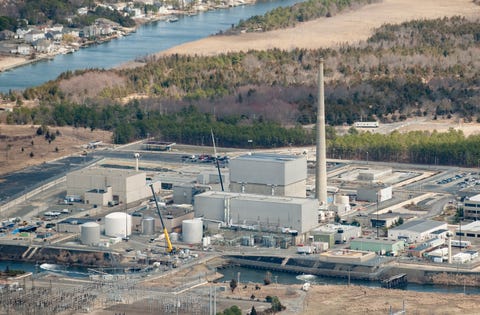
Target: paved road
<point>15,184</point>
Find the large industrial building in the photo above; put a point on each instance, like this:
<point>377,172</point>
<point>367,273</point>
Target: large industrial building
<point>269,174</point>
<point>258,211</point>
<point>470,231</point>
<point>374,193</point>
<point>471,208</point>
<point>416,230</point>
<point>99,186</point>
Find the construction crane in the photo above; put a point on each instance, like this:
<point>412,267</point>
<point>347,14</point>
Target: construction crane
<point>170,248</point>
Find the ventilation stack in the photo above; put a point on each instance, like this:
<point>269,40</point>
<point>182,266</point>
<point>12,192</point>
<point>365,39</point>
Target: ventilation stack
<point>321,154</point>
<point>449,248</point>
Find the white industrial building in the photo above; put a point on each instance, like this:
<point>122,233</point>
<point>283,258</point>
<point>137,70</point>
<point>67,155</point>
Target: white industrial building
<point>374,193</point>
<point>471,208</point>
<point>269,174</point>
<point>373,174</point>
<point>341,233</point>
<point>470,231</point>
<point>258,211</point>
<point>98,186</point>
<point>416,230</point>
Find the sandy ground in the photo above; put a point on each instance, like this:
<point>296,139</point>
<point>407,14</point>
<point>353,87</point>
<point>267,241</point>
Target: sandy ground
<point>70,141</point>
<point>363,300</point>
<point>421,124</point>
<point>11,62</point>
<point>349,27</point>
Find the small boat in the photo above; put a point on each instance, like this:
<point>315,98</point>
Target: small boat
<point>172,19</point>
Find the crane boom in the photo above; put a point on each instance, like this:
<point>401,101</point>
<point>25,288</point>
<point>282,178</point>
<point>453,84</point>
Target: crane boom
<point>165,232</point>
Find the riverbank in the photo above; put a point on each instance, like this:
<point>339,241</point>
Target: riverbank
<point>8,62</point>
<point>346,28</point>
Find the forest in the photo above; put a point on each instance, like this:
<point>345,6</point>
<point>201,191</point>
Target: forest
<point>418,68</point>
<point>284,17</point>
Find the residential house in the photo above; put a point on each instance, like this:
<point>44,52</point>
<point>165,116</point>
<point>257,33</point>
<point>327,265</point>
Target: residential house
<point>24,49</point>
<point>6,34</point>
<point>20,33</point>
<point>82,11</point>
<point>54,35</point>
<point>33,36</point>
<point>44,46</point>
<point>56,28</point>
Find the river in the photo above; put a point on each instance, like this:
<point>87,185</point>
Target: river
<point>148,39</point>
<point>247,275</point>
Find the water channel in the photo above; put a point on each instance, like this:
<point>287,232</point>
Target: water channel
<point>148,39</point>
<point>247,275</point>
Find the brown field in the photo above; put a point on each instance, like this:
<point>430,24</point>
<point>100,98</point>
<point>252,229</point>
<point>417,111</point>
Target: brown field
<point>349,27</point>
<point>14,137</point>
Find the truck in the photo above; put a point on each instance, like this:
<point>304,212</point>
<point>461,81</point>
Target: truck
<point>305,249</point>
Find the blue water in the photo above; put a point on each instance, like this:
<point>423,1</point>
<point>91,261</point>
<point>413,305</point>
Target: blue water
<point>74,272</point>
<point>148,39</point>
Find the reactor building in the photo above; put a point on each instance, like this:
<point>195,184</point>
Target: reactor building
<point>269,174</point>
<point>101,186</point>
<point>258,212</point>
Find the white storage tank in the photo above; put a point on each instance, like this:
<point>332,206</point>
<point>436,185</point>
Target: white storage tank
<point>118,224</point>
<point>148,226</point>
<point>90,233</point>
<point>192,231</point>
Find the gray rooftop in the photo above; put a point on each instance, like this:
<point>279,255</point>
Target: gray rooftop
<point>420,225</point>
<point>270,157</point>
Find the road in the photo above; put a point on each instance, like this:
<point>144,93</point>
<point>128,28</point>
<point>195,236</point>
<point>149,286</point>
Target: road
<point>16,184</point>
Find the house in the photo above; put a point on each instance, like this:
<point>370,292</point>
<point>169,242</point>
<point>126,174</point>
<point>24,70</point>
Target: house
<point>20,33</point>
<point>24,49</point>
<point>82,11</point>
<point>44,46</point>
<point>6,34</point>
<point>56,28</point>
<point>34,36</point>
<point>54,35</point>
<point>90,31</point>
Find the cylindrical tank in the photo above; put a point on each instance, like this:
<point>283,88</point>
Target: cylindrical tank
<point>90,233</point>
<point>118,224</point>
<point>148,226</point>
<point>192,231</point>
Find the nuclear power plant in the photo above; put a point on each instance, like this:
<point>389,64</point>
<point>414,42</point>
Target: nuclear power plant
<point>269,209</point>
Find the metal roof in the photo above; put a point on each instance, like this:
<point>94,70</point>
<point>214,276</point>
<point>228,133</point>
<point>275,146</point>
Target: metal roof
<point>270,157</point>
<point>420,225</point>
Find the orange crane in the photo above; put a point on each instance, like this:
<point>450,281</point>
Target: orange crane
<point>170,248</point>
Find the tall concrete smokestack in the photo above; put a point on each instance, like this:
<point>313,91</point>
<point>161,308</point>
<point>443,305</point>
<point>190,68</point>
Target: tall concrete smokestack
<point>321,154</point>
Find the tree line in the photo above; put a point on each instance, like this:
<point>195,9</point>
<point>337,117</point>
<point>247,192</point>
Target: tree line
<point>191,126</point>
<point>388,78</point>
<point>284,17</point>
